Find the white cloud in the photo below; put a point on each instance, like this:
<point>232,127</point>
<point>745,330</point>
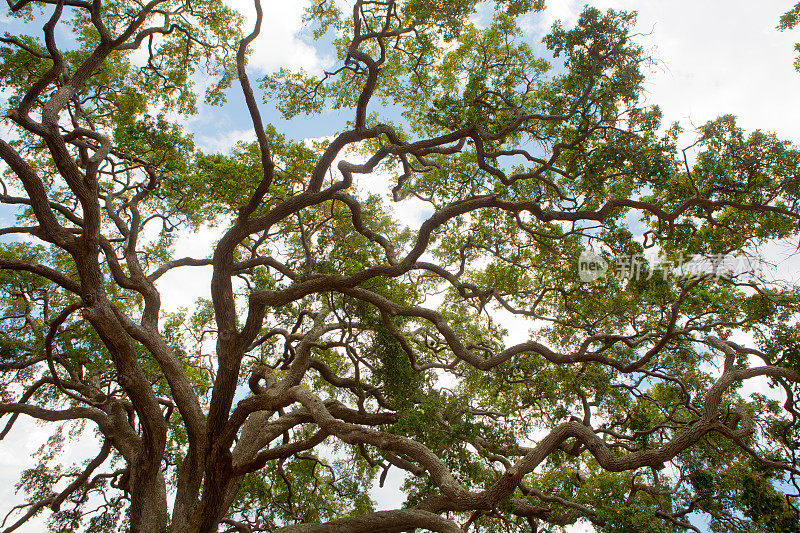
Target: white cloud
<point>278,45</point>
<point>24,439</point>
<point>564,10</point>
<point>716,57</point>
<point>224,142</point>
<point>723,57</point>
<point>181,287</point>
<point>580,527</point>
<point>22,442</point>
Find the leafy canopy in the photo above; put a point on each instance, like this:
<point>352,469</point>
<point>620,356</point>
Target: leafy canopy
<point>401,296</point>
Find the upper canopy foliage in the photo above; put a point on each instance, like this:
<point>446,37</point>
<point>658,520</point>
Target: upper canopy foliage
<point>338,343</point>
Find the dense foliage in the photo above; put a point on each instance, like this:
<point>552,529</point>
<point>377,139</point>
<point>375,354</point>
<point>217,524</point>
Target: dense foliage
<point>473,351</point>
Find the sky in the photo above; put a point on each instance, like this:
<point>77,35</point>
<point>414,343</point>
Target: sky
<point>713,57</point>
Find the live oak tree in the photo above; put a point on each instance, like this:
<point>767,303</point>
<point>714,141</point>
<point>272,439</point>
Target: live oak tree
<point>338,344</point>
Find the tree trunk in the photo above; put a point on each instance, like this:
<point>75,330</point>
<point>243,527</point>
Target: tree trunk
<point>148,498</point>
